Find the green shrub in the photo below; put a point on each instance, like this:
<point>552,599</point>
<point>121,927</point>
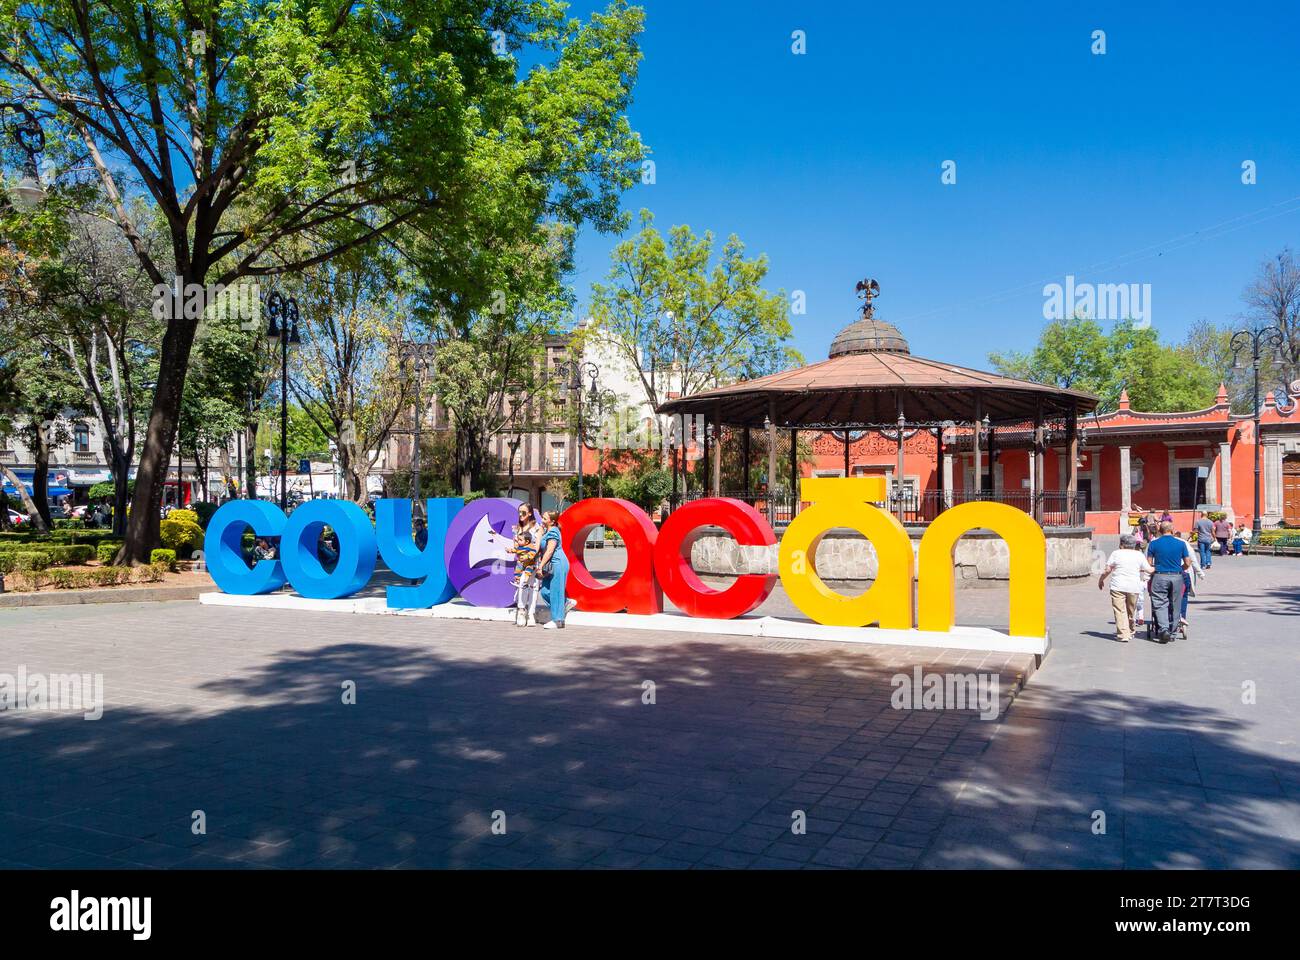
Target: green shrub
<point>66,579</point>
<point>60,554</point>
<point>205,509</point>
<point>189,516</point>
<point>166,557</point>
<point>35,579</point>
<point>153,573</point>
<point>181,535</point>
<point>31,561</point>
<point>107,551</point>
<point>77,553</point>
<point>69,523</point>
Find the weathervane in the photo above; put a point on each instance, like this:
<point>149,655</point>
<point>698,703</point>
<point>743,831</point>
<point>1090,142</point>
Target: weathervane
<point>868,290</point>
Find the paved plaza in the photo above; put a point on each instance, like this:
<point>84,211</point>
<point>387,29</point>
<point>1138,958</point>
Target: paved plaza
<point>461,727</point>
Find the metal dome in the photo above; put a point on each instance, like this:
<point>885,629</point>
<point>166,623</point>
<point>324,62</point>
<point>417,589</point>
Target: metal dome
<point>868,335</point>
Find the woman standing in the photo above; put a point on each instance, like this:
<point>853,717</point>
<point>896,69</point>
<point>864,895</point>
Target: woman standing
<point>553,567</point>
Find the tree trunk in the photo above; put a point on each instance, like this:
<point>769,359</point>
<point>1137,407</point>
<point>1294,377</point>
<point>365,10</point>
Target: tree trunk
<point>155,455</point>
<point>32,513</point>
<point>121,471</point>
<point>41,475</point>
<point>250,461</point>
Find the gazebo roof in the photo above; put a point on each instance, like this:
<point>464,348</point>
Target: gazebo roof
<point>866,389</point>
<point>869,377</point>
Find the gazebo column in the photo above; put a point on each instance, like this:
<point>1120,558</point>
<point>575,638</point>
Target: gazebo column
<point>898,468</point>
<point>717,449</point>
<point>744,456</point>
<point>846,452</point>
<point>706,461</point>
<point>942,469</point>
<point>794,473</point>
<point>993,487</point>
<point>1072,458</point>
<point>771,461</point>
<point>977,466</point>
<point>1038,485</point>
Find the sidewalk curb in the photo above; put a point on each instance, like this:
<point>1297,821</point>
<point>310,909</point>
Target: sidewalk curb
<point>55,598</point>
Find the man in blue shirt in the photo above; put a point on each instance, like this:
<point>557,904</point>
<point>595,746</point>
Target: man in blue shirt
<point>1170,556</point>
<point>1204,539</point>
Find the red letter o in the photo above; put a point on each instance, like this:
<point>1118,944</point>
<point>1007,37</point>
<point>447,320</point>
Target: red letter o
<point>673,558</point>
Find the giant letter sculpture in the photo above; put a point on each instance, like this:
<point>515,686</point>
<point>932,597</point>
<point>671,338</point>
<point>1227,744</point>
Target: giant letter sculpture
<point>1028,549</point>
<point>637,590</point>
<point>672,553</point>
<point>223,542</point>
<point>356,549</point>
<point>840,502</point>
<point>404,558</point>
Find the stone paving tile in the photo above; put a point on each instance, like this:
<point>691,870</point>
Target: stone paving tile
<point>238,713</point>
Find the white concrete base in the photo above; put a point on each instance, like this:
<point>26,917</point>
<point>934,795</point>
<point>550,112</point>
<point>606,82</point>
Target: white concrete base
<point>959,638</point>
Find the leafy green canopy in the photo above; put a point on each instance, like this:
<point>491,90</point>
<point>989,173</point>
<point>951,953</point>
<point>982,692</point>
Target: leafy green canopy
<point>1076,353</point>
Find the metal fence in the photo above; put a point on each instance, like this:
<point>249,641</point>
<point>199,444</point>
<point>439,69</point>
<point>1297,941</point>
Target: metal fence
<point>780,508</point>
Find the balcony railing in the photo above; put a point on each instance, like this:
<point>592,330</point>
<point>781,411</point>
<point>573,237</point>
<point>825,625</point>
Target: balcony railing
<point>1058,510</point>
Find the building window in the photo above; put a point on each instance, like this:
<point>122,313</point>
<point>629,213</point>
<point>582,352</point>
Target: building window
<point>559,455</point>
<point>81,438</point>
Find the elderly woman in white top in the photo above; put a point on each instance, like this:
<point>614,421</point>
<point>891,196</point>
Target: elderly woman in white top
<point>1125,568</point>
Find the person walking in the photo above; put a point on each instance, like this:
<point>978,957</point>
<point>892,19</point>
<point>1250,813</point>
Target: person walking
<point>1222,533</point>
<point>553,567</point>
<point>1125,568</point>
<point>1169,555</point>
<point>1204,538</point>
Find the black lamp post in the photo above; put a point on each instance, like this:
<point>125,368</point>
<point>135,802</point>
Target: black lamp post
<point>283,312</point>
<point>1257,339</point>
<point>420,356</point>
<point>31,140</point>
<point>572,373</point>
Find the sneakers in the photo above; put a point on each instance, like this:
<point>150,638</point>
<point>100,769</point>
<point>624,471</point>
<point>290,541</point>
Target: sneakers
<point>1121,639</point>
<point>551,625</point>
<point>531,622</point>
<point>520,615</point>
<point>570,606</point>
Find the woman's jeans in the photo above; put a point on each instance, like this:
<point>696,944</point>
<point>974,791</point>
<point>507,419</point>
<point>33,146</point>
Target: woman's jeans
<point>1187,592</point>
<point>553,588</point>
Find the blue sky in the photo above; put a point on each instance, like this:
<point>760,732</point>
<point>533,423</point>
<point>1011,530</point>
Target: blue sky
<point>1120,168</point>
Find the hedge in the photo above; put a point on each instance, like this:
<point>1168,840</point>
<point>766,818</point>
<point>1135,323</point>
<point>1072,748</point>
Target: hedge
<point>26,561</point>
<point>60,554</point>
<point>166,557</point>
<point>107,550</point>
<point>103,576</point>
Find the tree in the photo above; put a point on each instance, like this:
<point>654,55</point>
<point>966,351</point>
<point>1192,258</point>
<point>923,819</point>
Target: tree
<point>686,322</point>
<point>349,378</point>
<point>1076,354</point>
<point>1273,299</point>
<point>94,312</point>
<point>254,126</point>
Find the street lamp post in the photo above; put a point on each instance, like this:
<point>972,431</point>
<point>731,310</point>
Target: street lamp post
<point>420,356</point>
<point>1257,338</point>
<point>283,312</point>
<point>31,140</point>
<point>572,373</point>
